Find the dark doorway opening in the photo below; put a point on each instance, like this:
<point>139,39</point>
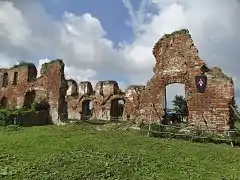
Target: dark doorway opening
<point>4,102</point>
<point>15,78</point>
<point>86,109</point>
<point>5,80</point>
<point>116,111</point>
<point>29,99</point>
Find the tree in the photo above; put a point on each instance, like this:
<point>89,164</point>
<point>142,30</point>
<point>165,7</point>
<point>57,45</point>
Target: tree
<point>235,106</point>
<point>180,105</point>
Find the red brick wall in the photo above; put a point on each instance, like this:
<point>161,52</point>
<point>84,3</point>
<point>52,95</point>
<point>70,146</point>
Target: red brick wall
<point>177,61</point>
<point>49,87</point>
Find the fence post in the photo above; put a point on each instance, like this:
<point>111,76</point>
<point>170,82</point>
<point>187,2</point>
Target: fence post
<point>149,125</point>
<point>149,129</point>
<point>230,138</point>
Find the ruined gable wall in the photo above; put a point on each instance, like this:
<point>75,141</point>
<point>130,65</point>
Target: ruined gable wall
<point>177,61</point>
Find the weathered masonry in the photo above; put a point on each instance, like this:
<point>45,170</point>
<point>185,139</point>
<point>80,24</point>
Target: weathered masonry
<point>177,61</point>
<point>20,87</point>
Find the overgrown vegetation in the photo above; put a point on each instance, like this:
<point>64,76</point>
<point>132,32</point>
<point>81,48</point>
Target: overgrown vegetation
<point>184,31</point>
<point>82,152</point>
<point>23,63</point>
<point>45,69</point>
<point>7,116</point>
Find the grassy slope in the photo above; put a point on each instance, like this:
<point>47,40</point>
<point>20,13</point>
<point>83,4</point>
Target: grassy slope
<point>80,152</point>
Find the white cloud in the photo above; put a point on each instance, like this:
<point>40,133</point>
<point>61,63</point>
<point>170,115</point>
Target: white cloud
<point>27,31</point>
<point>8,25</point>
<point>214,26</point>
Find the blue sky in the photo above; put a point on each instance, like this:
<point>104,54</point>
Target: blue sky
<point>112,14</point>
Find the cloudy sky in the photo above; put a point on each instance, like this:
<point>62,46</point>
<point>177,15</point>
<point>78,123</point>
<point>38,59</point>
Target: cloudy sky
<point>113,39</point>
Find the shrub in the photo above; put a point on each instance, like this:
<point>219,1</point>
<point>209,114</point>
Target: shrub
<point>39,106</point>
<point>7,116</point>
<point>23,63</point>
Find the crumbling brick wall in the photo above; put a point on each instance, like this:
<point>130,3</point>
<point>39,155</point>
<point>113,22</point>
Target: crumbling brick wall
<point>103,100</point>
<point>177,61</point>
<point>23,86</point>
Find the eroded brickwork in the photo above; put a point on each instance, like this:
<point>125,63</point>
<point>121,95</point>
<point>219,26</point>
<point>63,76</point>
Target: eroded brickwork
<point>20,87</point>
<point>177,61</point>
<point>100,103</point>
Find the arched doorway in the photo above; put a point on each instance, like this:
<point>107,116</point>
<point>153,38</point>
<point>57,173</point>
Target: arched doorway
<point>117,107</point>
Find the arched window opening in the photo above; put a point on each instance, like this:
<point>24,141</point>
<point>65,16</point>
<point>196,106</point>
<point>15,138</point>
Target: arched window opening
<point>4,102</point>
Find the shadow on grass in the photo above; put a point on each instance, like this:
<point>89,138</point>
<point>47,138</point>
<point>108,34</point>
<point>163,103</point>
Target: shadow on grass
<point>101,122</point>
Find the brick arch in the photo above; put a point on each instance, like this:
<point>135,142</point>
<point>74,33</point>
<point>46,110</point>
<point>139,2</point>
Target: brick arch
<point>186,89</point>
<point>173,81</point>
<point>180,80</point>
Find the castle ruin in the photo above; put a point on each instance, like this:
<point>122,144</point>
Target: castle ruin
<point>177,61</point>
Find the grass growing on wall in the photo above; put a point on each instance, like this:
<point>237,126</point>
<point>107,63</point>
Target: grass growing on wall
<point>83,152</point>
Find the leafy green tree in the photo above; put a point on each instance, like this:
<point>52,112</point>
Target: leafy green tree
<point>180,105</point>
<point>236,118</point>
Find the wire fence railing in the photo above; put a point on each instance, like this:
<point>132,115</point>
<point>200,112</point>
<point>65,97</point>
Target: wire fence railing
<point>231,137</point>
<point>179,131</point>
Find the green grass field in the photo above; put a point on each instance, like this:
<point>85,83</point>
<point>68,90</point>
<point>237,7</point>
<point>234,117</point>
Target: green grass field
<point>82,152</point>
